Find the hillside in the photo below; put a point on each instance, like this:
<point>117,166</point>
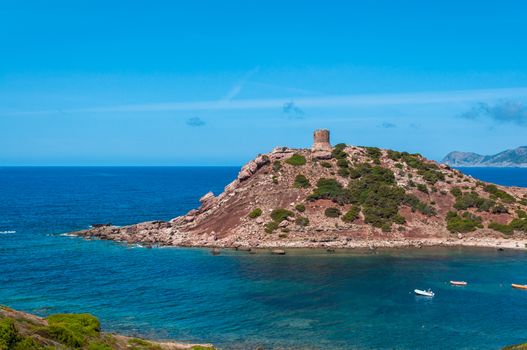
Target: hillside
<point>342,196</point>
<point>510,158</point>
<point>23,331</point>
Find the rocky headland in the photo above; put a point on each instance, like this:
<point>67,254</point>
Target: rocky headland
<point>342,197</point>
<point>23,331</point>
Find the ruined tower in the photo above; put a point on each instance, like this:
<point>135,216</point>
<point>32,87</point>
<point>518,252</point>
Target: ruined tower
<point>321,141</point>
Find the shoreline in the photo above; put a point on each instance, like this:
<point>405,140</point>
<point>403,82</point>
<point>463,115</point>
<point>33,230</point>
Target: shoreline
<point>470,242</point>
<point>24,330</point>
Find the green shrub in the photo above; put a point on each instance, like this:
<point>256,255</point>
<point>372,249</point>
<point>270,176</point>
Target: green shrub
<point>277,165</point>
<point>505,229</point>
<point>275,179</point>
<point>344,172</point>
<point>467,222</point>
<point>415,161</point>
<point>342,163</point>
<point>399,219</point>
<point>302,221</point>
<point>456,192</point>
<point>326,164</point>
<point>8,334</point>
<point>399,165</point>
<point>429,171</point>
<point>300,207</point>
<point>521,214</point>
<point>296,160</point>
<point>431,176</point>
<point>332,212</point>
<point>270,226</point>
<point>255,213</point>
<point>519,225</point>
<point>416,205</point>
<point>473,200</point>
<point>515,347</point>
<point>422,188</point>
<point>373,152</point>
<point>301,182</point>
<point>394,155</point>
<point>99,346</point>
<point>141,344</point>
<point>499,209</point>
<point>280,214</point>
<point>376,191</point>
<point>497,193</point>
<point>200,347</point>
<point>330,189</point>
<point>352,214</point>
<point>72,329</point>
<point>338,151</point>
<point>27,343</point>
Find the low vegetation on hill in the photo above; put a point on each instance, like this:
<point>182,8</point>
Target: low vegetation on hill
<point>21,331</point>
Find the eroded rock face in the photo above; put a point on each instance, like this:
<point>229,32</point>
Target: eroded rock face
<point>207,201</point>
<point>250,168</point>
<point>324,155</point>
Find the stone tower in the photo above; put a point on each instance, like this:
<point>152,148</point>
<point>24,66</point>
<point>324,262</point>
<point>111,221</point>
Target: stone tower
<point>321,141</point>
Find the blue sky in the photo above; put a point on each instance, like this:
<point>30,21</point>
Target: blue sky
<point>215,83</point>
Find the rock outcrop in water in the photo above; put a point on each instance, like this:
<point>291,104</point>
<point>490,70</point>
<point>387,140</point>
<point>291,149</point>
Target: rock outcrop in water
<point>342,196</point>
<point>23,331</point>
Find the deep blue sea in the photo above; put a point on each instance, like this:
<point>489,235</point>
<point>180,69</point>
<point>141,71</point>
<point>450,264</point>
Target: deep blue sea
<point>307,299</point>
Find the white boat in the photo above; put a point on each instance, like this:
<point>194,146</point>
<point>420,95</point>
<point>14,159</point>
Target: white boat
<point>458,283</point>
<point>425,293</point>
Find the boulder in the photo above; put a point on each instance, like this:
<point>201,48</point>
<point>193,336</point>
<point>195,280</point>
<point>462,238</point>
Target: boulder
<point>322,154</point>
<point>250,168</point>
<point>232,186</point>
<point>207,201</point>
<point>215,251</point>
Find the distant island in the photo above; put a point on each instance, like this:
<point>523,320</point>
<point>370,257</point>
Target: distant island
<point>341,197</point>
<point>510,158</point>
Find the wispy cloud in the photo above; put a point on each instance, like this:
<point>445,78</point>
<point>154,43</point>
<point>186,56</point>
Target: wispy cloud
<point>195,122</point>
<point>292,110</point>
<point>237,88</point>
<point>387,125</point>
<point>506,111</point>
<point>359,100</point>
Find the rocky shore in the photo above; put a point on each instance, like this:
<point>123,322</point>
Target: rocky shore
<point>342,197</point>
<point>23,331</point>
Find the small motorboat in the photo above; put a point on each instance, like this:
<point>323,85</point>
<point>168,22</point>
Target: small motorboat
<point>424,293</point>
<point>519,286</point>
<point>458,283</point>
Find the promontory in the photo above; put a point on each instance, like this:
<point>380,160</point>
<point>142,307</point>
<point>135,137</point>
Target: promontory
<point>342,196</point>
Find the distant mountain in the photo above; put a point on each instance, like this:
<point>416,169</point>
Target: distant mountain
<point>510,158</point>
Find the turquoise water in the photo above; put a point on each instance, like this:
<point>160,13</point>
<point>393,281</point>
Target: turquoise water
<point>307,299</point>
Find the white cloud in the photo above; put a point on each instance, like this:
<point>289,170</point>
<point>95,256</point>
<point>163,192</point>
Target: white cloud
<point>357,100</point>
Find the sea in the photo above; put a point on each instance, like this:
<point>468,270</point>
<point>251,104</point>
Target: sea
<point>307,299</point>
